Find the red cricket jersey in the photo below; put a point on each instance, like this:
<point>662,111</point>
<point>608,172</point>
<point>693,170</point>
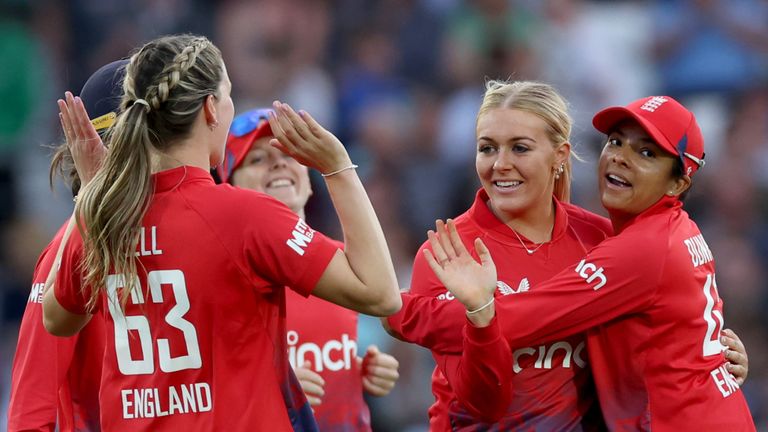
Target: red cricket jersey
<point>52,377</point>
<point>325,335</point>
<point>201,346</point>
<point>550,387</point>
<point>649,296</point>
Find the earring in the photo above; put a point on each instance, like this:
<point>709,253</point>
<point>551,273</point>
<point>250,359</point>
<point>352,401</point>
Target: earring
<point>559,171</point>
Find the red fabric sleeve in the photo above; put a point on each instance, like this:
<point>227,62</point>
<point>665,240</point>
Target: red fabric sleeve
<point>290,252</point>
<point>68,287</point>
<point>481,376</point>
<point>618,277</point>
<point>37,372</point>
<point>430,317</point>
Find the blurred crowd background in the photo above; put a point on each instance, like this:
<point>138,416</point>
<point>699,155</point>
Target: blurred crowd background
<point>400,82</point>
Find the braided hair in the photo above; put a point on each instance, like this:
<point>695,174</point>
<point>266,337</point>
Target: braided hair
<point>166,84</point>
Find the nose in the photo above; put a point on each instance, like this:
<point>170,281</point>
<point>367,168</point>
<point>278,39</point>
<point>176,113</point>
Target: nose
<point>504,160</point>
<point>277,160</point>
<point>618,155</point>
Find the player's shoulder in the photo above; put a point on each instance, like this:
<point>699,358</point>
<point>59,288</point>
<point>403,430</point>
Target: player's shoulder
<point>244,204</point>
<point>583,220</point>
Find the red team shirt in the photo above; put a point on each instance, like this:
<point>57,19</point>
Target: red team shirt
<point>325,335</point>
<point>202,346</point>
<point>649,298</point>
<point>550,386</point>
<point>43,385</point>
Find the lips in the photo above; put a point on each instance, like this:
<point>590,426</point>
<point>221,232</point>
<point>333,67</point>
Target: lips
<point>507,184</point>
<point>617,181</point>
<point>280,182</point>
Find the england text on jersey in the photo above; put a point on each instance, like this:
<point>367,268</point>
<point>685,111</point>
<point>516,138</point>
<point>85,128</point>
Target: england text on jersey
<point>155,402</point>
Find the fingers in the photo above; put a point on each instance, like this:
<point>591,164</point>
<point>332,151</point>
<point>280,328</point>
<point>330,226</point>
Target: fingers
<point>484,254</point>
<point>437,247</point>
<point>377,387</point>
<point>445,241</point>
<point>299,125</point>
<point>314,127</point>
<point>433,264</point>
<point>278,124</point>
<point>731,340</point>
<point>311,383</point>
<point>453,236</point>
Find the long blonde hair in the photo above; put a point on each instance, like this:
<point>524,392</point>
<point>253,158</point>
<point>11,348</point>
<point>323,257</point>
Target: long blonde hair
<point>174,75</point>
<point>543,101</point>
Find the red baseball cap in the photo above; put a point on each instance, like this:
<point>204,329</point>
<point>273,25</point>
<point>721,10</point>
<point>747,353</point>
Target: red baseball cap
<point>245,130</point>
<point>669,123</point>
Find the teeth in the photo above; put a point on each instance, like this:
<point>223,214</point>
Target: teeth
<point>507,183</point>
<point>280,183</point>
<point>618,179</point>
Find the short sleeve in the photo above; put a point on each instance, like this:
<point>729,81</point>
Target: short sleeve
<point>68,286</point>
<point>284,249</point>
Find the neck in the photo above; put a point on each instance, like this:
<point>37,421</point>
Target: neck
<point>188,152</point>
<point>535,224</point>
<point>300,212</point>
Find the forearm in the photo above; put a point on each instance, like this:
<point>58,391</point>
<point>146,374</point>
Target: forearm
<point>56,319</point>
<point>481,376</point>
<point>364,244</point>
<point>429,322</point>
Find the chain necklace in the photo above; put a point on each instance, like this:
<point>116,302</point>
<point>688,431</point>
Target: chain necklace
<point>530,251</point>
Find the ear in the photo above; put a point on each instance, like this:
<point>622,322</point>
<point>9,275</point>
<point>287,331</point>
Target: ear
<point>562,153</point>
<point>679,185</point>
<point>209,109</point>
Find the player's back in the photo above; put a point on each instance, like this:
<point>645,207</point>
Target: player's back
<point>664,368</point>
<point>201,346</point>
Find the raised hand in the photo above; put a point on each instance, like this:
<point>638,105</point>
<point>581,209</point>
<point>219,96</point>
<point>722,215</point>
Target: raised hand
<point>311,383</point>
<point>88,151</point>
<point>472,283</point>
<point>379,371</point>
<point>736,354</point>
<point>301,137</point>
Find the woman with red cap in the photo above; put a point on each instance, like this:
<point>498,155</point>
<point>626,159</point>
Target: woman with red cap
<point>647,296</point>
<point>523,214</point>
<point>321,336</point>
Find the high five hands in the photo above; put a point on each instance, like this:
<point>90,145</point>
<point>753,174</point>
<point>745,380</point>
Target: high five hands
<point>471,282</point>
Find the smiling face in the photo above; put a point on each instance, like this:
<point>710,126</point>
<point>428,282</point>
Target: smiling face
<point>268,170</point>
<point>516,161</point>
<point>634,172</point>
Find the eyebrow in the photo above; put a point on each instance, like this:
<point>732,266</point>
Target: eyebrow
<point>513,139</point>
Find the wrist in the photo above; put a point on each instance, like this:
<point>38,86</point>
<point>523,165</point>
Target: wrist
<point>482,318</point>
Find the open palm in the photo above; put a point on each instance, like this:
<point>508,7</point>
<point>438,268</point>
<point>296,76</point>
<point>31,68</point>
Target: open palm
<point>472,283</point>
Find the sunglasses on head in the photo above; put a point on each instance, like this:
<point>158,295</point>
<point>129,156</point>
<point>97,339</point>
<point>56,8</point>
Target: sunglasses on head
<point>248,122</point>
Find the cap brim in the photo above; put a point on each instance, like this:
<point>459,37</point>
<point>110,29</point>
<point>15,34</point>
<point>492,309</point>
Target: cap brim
<point>606,120</point>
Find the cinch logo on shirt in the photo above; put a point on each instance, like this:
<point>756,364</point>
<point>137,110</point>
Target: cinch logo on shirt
<point>302,236</point>
<point>654,103</point>
<point>700,253</point>
<point>323,357</point>
<point>36,295</point>
<point>505,289</point>
<point>545,353</point>
<point>590,272</point>
<point>446,296</point>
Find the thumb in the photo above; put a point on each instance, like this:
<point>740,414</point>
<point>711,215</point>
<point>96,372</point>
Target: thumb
<point>307,365</point>
<point>483,253</point>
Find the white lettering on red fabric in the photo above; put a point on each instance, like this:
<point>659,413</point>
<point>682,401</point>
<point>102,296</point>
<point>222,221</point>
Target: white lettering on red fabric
<point>590,272</point>
<point>152,402</point>
<point>724,381</point>
<point>334,355</point>
<point>36,294</point>
<point>302,236</point>
<point>654,103</point>
<point>545,353</point>
<point>699,250</point>
<point>144,243</point>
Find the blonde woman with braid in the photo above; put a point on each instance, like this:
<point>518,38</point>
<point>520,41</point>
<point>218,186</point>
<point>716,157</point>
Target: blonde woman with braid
<point>191,275</point>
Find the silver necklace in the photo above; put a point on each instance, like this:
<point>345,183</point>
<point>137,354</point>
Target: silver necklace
<point>530,251</point>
